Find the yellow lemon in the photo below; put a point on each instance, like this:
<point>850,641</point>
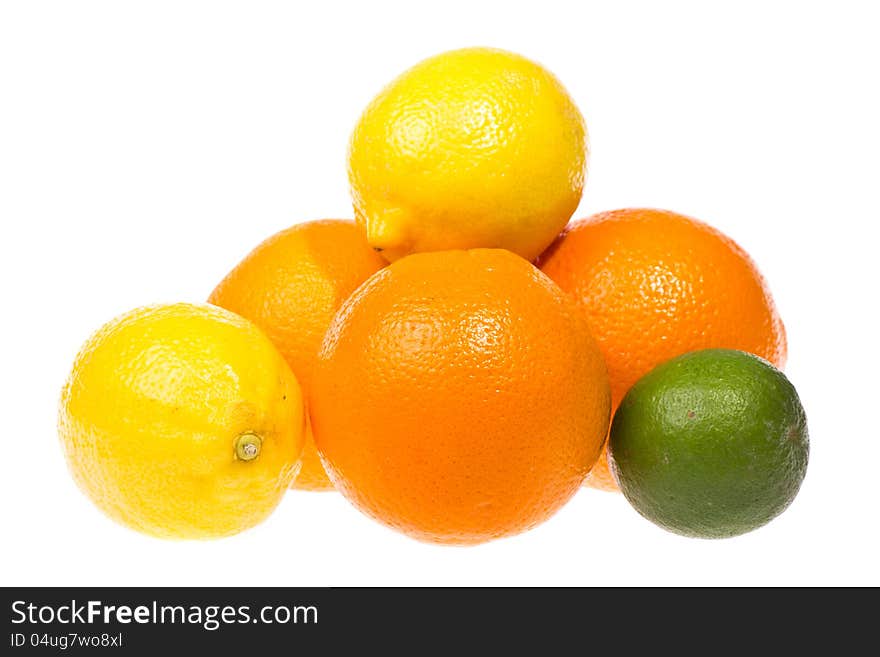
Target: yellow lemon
<point>470,148</point>
<point>182,421</point>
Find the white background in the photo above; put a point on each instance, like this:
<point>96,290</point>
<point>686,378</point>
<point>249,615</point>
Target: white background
<point>146,146</point>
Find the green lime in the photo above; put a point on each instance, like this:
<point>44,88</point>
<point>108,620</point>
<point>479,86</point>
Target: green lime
<point>711,444</point>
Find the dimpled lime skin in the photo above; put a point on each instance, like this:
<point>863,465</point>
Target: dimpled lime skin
<point>712,444</point>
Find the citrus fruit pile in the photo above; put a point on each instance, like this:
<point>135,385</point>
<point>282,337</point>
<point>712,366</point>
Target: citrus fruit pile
<point>452,359</point>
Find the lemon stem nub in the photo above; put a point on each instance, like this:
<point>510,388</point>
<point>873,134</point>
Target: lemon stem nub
<point>247,446</point>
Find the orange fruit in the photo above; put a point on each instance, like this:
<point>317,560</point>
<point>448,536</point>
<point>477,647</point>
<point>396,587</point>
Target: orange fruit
<point>656,284</point>
<point>459,397</point>
<point>290,286</point>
